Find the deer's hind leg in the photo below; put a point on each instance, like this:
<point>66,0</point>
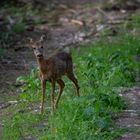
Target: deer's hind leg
<point>52,95</point>
<point>61,86</point>
<point>75,81</point>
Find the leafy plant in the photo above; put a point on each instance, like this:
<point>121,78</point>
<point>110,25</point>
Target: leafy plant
<point>31,90</point>
<point>5,37</point>
<point>1,52</point>
<point>19,27</point>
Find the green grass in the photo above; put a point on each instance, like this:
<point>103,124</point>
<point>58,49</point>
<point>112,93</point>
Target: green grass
<point>103,68</point>
<point>22,16</point>
<point>1,52</point>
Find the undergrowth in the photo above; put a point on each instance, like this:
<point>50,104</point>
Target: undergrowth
<point>17,19</point>
<point>103,68</point>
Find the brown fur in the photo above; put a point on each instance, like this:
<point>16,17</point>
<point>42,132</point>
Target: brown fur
<point>52,69</point>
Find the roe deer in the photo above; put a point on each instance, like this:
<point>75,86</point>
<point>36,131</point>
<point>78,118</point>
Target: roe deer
<point>52,69</point>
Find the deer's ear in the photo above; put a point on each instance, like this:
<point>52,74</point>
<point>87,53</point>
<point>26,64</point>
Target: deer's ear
<point>42,38</point>
<point>30,40</point>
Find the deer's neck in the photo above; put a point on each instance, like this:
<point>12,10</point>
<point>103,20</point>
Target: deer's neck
<point>42,64</point>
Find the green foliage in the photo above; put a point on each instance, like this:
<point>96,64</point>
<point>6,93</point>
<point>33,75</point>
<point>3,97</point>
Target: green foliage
<point>102,68</point>
<point>19,27</point>
<point>21,125</point>
<point>136,21</point>
<point>1,52</point>
<point>5,37</point>
<point>22,17</point>
<point>133,24</point>
<point>31,90</point>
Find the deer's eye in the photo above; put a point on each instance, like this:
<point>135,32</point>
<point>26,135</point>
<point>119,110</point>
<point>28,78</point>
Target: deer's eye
<point>41,47</point>
<point>34,48</point>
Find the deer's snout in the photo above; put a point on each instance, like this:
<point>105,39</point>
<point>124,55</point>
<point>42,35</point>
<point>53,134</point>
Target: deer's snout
<point>38,53</point>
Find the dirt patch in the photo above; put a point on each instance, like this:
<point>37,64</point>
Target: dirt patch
<point>130,118</point>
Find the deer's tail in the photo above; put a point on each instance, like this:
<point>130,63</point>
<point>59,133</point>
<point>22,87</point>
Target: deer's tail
<point>67,50</point>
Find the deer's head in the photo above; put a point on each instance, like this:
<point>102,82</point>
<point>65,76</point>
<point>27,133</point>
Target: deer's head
<point>38,46</point>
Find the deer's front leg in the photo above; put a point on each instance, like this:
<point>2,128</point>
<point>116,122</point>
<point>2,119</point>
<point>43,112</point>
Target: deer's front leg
<point>43,82</point>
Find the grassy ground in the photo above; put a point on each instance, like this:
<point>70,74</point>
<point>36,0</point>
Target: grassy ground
<point>103,69</point>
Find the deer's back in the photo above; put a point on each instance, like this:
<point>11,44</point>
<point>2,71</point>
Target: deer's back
<point>59,64</point>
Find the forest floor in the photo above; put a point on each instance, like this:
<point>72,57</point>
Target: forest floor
<point>129,119</point>
<point>65,27</point>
